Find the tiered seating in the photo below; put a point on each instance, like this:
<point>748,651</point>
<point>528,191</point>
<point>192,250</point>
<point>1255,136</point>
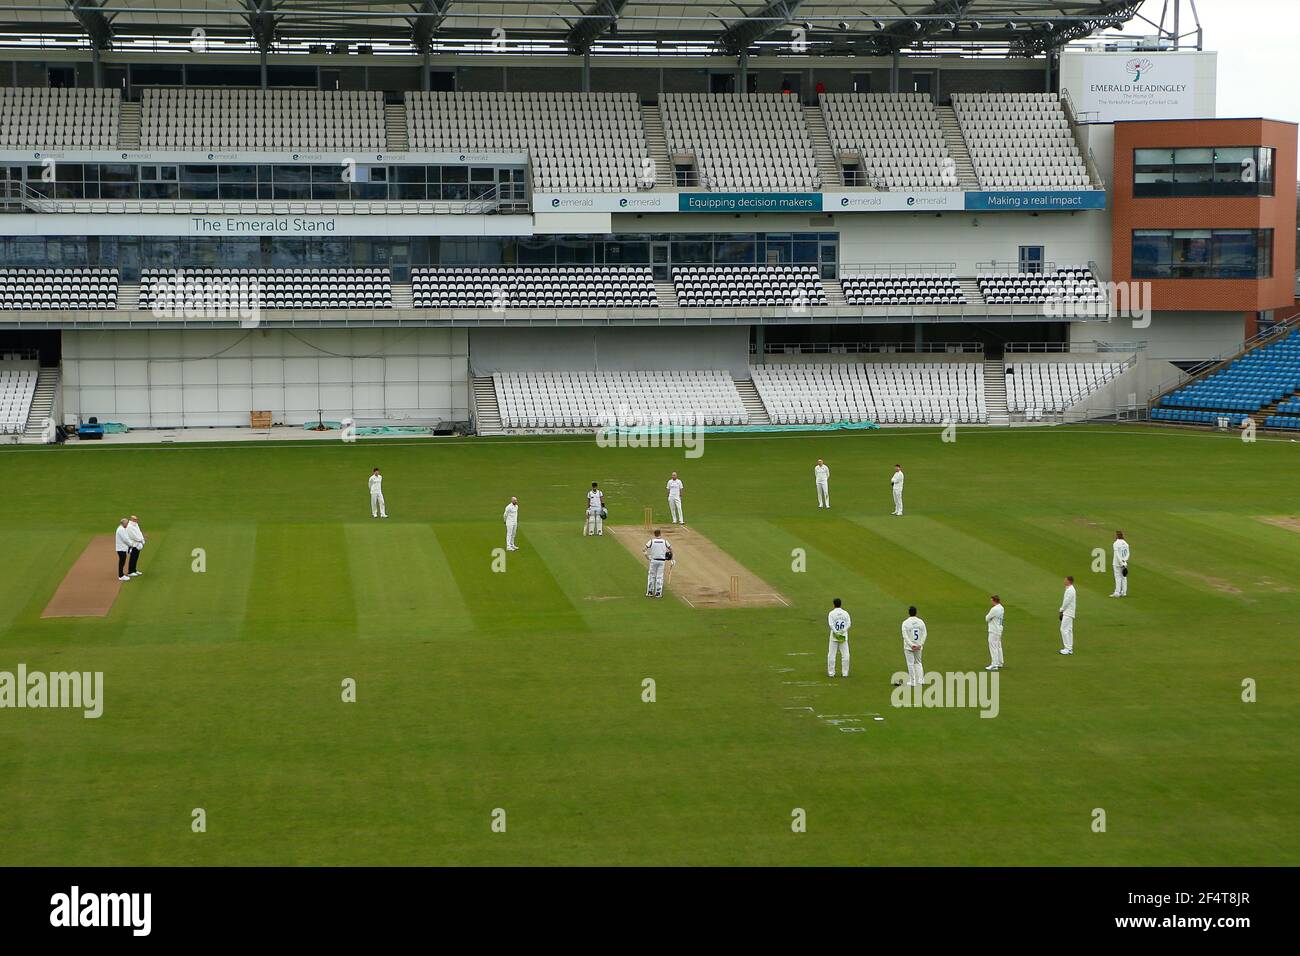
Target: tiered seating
<point>596,399</point>
<point>886,392</point>
<point>793,286</point>
<point>58,288</point>
<point>17,386</point>
<point>1261,377</point>
<point>896,135</point>
<point>1289,420</point>
<point>359,288</point>
<point>1037,387</point>
<point>577,142</point>
<point>262,119</point>
<point>902,290</point>
<point>1020,141</point>
<point>533,287</point>
<point>743,141</point>
<point>72,118</point>
<point>1072,285</point>
<point>1187,416</point>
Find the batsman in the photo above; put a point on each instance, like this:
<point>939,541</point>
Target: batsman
<point>660,552</point>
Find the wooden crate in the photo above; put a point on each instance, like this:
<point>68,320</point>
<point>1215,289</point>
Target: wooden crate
<point>259,419</point>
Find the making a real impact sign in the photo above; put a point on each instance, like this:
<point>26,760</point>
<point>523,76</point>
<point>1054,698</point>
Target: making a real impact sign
<point>1140,85</point>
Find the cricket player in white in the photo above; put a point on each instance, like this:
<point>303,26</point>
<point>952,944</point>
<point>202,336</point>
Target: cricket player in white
<point>122,544</point>
<point>994,620</point>
<point>1068,605</point>
<point>512,522</point>
<point>675,499</point>
<point>823,475</point>
<point>137,545</point>
<point>1119,563</point>
<point>897,483</point>
<point>839,622</point>
<point>913,645</point>
<point>657,549</point>
<point>377,495</point>
<point>595,505</point>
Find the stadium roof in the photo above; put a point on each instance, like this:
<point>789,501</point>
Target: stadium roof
<point>865,28</point>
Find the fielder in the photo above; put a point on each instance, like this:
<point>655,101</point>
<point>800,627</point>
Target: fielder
<point>839,622</point>
<point>377,509</point>
<point>595,511</point>
<point>913,644</point>
<point>660,552</point>
<point>675,499</point>
<point>822,474</point>
<point>1068,605</point>
<point>897,483</point>
<point>1119,563</point>
<point>512,522</point>
<point>994,620</point>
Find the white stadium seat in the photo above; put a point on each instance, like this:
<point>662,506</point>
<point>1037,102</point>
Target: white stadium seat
<point>735,286</point>
<point>742,141</point>
<point>505,287</point>
<point>17,387</point>
<point>262,119</point>
<point>87,288</point>
<point>896,137</point>
<point>889,289</point>
<point>1020,141</point>
<point>1073,285</point>
<point>584,399</point>
<point>59,117</point>
<point>1037,387</point>
<point>576,142</point>
<point>358,288</point>
<point>884,392</point>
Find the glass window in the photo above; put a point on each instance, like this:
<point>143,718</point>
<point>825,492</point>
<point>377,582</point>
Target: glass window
<point>1203,171</point>
<point>1202,253</point>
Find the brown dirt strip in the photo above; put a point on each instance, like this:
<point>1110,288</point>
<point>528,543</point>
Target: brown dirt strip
<point>1282,521</point>
<point>702,577</point>
<point>91,585</point>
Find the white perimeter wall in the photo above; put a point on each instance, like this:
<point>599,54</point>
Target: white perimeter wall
<point>167,379</point>
<point>590,349</point>
<point>1171,336</point>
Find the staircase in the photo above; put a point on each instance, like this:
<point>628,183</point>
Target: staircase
<point>666,295</point>
<point>403,297</point>
<point>995,392</point>
<point>128,126</point>
<point>966,176</point>
<point>487,413</point>
<point>397,137</point>
<point>128,296</point>
<point>755,410</point>
<point>1270,409</point>
<point>657,146</point>
<point>971,289</point>
<point>42,410</point>
<point>827,167</point>
<point>834,292</point>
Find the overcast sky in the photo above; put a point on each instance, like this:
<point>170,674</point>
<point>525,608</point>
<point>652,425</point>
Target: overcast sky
<point>1258,42</point>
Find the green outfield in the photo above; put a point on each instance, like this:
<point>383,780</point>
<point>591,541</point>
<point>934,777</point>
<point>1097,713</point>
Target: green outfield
<point>522,690</point>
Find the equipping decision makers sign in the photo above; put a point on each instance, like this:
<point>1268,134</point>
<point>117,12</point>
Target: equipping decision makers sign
<point>1140,85</point>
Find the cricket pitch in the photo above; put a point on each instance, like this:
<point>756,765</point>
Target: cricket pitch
<point>702,576</point>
